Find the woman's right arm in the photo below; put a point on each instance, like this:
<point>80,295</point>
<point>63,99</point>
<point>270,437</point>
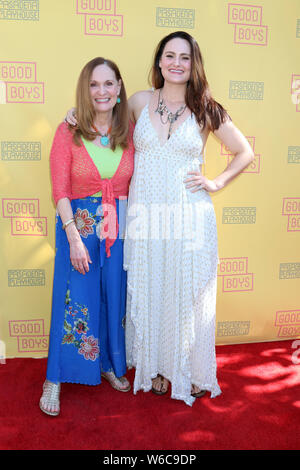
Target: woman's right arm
<point>60,165</point>
<point>79,254</point>
<point>133,107</point>
<point>71,117</point>
<point>137,102</point>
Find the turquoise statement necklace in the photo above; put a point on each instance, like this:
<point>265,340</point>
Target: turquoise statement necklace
<point>104,138</point>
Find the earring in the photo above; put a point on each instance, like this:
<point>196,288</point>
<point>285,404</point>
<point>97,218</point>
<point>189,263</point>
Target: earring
<point>118,100</point>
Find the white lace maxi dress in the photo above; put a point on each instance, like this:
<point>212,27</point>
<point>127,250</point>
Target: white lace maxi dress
<point>171,257</point>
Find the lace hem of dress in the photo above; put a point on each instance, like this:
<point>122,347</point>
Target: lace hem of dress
<point>138,310</point>
<point>213,389</point>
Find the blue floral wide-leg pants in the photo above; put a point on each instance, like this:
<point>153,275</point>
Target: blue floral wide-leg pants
<point>87,333</point>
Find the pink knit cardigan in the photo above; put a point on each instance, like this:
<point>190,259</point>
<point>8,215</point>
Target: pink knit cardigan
<point>74,175</point>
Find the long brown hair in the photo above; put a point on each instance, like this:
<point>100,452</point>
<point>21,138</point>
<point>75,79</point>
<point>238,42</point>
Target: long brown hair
<point>85,112</point>
<point>198,97</point>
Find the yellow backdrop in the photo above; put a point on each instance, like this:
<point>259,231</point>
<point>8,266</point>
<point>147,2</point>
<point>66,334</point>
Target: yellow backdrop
<point>252,62</point>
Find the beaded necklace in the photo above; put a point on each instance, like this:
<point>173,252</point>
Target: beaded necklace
<point>104,139</point>
<point>171,117</point>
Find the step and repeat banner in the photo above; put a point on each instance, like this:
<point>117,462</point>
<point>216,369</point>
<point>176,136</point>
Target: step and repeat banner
<point>252,61</point>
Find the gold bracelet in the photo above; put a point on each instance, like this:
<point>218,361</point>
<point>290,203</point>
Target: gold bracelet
<point>67,223</point>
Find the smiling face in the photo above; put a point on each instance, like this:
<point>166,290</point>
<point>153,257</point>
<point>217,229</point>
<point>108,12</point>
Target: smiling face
<point>175,61</point>
<point>104,88</point>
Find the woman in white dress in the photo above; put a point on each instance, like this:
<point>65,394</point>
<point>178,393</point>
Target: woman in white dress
<point>171,244</point>
<point>171,251</point>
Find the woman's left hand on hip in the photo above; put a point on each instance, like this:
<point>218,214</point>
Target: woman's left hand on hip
<point>197,182</point>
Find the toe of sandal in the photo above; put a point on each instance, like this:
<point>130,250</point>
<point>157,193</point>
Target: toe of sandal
<point>163,385</point>
<point>199,394</point>
<point>118,383</point>
<point>49,402</point>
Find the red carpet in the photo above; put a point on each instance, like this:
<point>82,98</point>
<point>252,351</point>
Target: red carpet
<point>258,409</point>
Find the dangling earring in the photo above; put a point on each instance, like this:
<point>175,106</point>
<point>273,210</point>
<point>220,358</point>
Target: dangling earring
<point>118,100</point>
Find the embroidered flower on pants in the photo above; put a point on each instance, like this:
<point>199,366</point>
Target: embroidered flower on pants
<point>89,348</point>
<point>68,339</point>
<point>84,222</point>
<point>76,326</point>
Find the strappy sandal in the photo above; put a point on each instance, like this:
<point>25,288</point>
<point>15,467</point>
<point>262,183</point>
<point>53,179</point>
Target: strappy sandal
<point>199,394</point>
<point>163,385</point>
<point>116,382</point>
<point>50,398</point>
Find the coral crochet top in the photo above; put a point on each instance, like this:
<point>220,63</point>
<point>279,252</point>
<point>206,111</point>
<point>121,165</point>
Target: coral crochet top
<point>74,175</point>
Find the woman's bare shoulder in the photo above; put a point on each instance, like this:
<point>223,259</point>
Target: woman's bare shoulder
<point>141,96</point>
<point>138,101</point>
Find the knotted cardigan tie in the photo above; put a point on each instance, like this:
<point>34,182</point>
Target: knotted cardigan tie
<point>74,175</point>
<point>111,228</point>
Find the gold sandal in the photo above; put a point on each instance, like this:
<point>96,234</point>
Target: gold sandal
<point>163,385</point>
<point>49,402</point>
<point>116,382</point>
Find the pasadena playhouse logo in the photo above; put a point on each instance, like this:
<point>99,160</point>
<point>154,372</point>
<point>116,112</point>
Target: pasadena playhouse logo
<point>19,83</point>
<point>24,10</point>
<point>294,154</point>
<point>234,274</point>
<point>30,335</point>
<point>233,328</point>
<point>25,218</point>
<point>100,17</point>
<point>20,151</point>
<point>244,90</point>
<point>248,27</point>
<point>289,271</point>
<point>26,277</point>
<point>175,18</point>
<point>239,215</point>
<point>291,209</point>
<point>254,166</point>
